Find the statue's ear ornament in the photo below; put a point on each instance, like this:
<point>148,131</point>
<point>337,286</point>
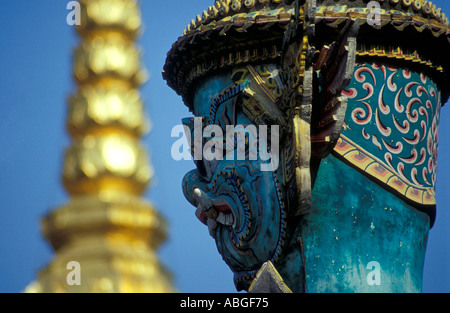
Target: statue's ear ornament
<point>313,83</point>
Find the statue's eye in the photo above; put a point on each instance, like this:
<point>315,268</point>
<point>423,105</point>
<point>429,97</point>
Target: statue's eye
<point>237,75</point>
<point>201,167</point>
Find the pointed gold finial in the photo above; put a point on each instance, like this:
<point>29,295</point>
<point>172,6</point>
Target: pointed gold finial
<point>107,227</point>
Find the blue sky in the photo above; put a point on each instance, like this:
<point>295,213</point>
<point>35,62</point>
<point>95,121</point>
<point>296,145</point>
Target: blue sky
<point>35,64</point>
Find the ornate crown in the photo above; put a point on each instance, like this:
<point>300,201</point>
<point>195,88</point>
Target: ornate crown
<point>233,32</point>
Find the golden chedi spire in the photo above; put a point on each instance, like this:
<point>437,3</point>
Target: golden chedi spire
<point>107,227</point>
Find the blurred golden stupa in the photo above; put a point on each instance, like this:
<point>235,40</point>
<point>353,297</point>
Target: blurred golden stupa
<point>107,227</point>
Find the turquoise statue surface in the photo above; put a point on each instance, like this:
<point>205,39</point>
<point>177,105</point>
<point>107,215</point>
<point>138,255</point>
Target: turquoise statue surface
<point>356,224</point>
<point>383,227</point>
<point>315,135</point>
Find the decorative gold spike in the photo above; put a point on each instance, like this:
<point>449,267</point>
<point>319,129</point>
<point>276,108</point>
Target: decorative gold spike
<point>268,280</point>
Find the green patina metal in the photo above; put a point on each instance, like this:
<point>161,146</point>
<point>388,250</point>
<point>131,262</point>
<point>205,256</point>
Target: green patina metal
<point>353,222</point>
